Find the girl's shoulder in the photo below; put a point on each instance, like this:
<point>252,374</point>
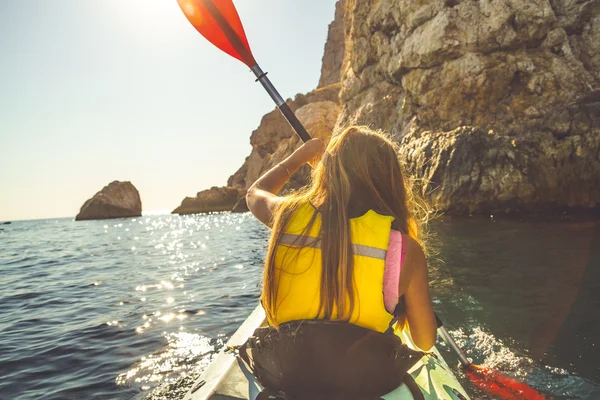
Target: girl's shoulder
<point>408,244</point>
<point>412,246</point>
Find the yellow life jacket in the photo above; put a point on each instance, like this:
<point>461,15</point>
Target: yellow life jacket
<point>298,269</point>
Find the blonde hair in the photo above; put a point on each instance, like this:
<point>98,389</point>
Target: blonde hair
<point>359,171</point>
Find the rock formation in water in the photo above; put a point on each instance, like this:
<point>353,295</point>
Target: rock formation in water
<point>485,97</point>
<point>496,103</point>
<point>117,200</point>
<point>210,200</point>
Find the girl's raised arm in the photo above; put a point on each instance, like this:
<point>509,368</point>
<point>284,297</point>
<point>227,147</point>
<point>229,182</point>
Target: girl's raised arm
<point>262,196</point>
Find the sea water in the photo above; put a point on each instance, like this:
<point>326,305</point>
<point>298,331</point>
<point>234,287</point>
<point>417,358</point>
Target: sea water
<point>122,309</point>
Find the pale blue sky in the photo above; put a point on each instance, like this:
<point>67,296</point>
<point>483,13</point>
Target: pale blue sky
<point>100,90</point>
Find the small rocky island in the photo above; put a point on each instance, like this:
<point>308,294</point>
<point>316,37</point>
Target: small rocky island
<point>117,200</point>
<point>211,200</point>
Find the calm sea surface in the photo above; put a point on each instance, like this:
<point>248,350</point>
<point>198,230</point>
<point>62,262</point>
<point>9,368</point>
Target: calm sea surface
<point>118,309</point>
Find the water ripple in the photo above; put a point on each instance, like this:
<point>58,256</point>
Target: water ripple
<point>112,309</point>
<point>119,309</point>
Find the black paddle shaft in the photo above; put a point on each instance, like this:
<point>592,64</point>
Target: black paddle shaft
<point>451,343</point>
<point>281,104</point>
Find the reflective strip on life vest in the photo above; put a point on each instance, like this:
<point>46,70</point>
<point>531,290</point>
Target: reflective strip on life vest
<point>315,243</point>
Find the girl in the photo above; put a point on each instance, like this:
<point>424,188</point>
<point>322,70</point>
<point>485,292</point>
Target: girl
<point>344,264</point>
<point>348,237</point>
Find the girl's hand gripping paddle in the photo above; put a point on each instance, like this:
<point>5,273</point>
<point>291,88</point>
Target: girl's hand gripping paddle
<point>219,23</point>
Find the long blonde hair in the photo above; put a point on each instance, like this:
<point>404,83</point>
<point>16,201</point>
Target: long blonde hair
<point>359,171</point>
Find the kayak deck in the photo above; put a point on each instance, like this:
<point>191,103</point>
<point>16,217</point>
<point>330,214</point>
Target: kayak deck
<point>226,378</point>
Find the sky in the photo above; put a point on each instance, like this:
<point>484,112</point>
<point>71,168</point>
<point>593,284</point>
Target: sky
<point>101,90</point>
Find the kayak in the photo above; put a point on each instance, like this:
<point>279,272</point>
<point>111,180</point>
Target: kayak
<point>226,378</point>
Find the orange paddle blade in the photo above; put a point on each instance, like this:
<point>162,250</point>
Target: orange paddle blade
<point>219,22</point>
<point>501,386</point>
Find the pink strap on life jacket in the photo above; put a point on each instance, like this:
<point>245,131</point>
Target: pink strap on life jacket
<point>393,265</point>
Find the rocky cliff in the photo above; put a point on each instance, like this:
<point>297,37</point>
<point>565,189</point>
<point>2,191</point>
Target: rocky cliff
<point>333,56</point>
<point>117,200</point>
<point>496,103</point>
<point>493,101</point>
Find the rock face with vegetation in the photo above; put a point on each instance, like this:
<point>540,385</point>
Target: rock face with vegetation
<point>210,200</point>
<point>117,200</point>
<point>493,101</point>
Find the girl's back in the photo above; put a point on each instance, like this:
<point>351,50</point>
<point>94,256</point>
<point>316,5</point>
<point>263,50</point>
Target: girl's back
<point>314,268</point>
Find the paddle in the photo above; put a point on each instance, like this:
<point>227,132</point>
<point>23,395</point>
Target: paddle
<point>492,382</point>
<point>219,23</point>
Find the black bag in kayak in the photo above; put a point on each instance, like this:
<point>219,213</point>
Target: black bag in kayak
<point>318,359</point>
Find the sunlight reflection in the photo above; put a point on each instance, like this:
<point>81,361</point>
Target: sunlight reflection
<point>167,284</point>
<point>168,317</point>
<point>495,354</point>
<point>171,306</point>
<point>188,7</point>
<point>184,352</point>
